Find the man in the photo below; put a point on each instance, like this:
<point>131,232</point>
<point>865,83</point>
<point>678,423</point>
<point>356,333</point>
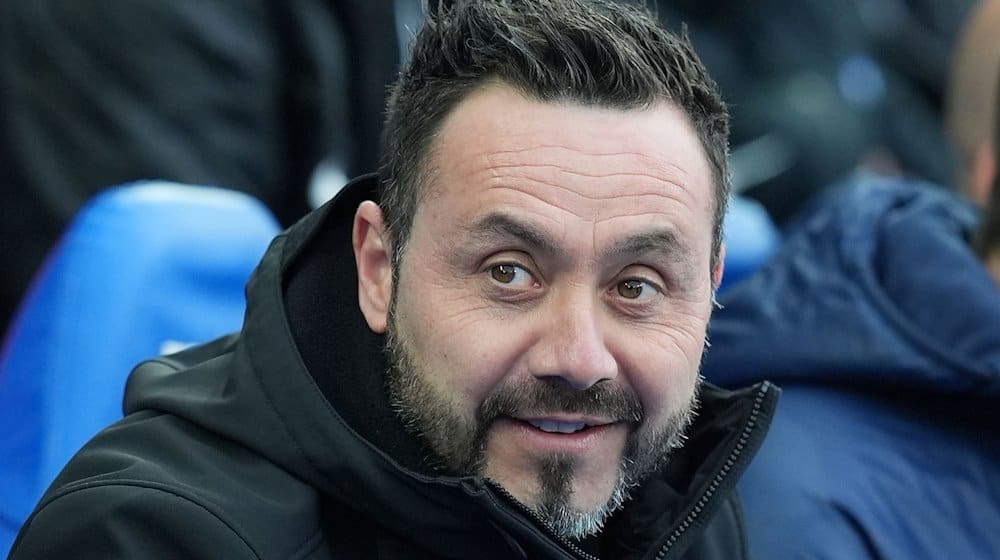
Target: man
<point>971,120</point>
<point>510,370</point>
<point>879,318</point>
<point>989,233</point>
<point>969,107</point>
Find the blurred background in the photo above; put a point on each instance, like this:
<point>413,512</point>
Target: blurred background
<point>818,88</point>
<point>284,100</point>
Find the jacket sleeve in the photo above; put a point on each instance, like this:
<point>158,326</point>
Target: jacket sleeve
<point>127,521</point>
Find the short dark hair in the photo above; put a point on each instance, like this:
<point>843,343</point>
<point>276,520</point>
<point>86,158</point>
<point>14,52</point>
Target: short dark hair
<point>592,52</point>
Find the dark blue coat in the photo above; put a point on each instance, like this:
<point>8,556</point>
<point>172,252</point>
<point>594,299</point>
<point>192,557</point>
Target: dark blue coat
<point>884,330</point>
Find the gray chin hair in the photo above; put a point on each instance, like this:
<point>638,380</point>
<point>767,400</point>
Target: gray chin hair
<point>556,476</point>
<point>557,511</point>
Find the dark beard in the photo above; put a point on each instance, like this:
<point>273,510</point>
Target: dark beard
<point>459,448</point>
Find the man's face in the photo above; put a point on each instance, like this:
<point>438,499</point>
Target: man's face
<point>551,304</point>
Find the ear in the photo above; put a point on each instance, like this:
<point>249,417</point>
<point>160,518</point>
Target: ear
<point>984,171</point>
<point>373,257</point>
<point>720,266</point>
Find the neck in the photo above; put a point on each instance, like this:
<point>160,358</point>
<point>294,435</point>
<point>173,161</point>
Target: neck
<point>992,261</point>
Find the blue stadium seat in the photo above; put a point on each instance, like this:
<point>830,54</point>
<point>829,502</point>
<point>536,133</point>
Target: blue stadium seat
<point>751,239</point>
<point>144,269</point>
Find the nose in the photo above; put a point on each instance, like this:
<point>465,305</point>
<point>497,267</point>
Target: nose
<point>572,347</point>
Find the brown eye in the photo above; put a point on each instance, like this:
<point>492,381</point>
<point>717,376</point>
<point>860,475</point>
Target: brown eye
<point>631,289</point>
<point>504,273</point>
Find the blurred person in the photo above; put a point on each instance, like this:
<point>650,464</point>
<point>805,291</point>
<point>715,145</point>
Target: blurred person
<point>970,110</point>
<point>879,319</point>
<point>511,368</point>
<point>250,96</point>
<point>989,234</point>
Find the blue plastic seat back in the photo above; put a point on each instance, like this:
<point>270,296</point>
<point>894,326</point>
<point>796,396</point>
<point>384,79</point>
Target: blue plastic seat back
<point>144,269</point>
<point>751,240</point>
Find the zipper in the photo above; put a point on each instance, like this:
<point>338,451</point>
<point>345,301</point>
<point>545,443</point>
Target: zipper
<point>748,429</point>
<point>546,529</point>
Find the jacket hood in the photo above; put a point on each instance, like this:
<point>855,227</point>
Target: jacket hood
<point>876,284</point>
<point>303,385</point>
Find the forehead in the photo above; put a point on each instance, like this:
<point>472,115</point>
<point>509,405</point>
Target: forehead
<point>566,161</point>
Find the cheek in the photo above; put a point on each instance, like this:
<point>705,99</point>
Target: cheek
<point>458,340</point>
<point>662,364</point>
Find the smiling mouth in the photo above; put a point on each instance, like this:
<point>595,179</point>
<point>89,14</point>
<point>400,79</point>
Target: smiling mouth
<point>557,427</point>
<point>575,436</point>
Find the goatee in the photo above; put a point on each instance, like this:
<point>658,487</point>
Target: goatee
<point>458,443</point>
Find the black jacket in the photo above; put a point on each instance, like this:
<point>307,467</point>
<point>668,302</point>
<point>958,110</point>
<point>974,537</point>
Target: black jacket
<point>279,442</point>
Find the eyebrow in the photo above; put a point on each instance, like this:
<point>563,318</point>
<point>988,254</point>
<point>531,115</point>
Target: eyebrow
<point>663,242</point>
<point>496,227</point>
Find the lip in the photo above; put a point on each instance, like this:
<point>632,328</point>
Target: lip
<point>598,436</point>
<point>591,421</point>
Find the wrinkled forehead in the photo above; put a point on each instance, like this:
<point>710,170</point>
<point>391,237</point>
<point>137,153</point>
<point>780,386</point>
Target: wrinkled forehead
<point>496,128</point>
<point>592,179</point>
